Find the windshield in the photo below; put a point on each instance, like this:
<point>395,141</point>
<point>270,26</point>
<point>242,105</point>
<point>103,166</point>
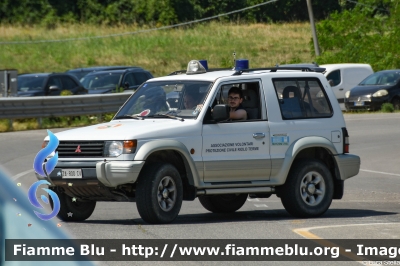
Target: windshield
<point>383,78</point>
<point>175,98</point>
<point>30,83</point>
<point>101,81</point>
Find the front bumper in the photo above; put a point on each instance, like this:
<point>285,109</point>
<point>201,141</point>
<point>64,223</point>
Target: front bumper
<point>365,103</point>
<point>348,165</point>
<point>109,173</point>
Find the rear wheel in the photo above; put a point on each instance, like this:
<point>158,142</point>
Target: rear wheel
<point>72,209</point>
<point>308,190</point>
<point>223,203</point>
<point>159,193</point>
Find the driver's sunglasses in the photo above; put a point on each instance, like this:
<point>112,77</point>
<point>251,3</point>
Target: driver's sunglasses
<point>233,98</point>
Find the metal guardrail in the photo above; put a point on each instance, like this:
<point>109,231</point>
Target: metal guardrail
<point>56,106</point>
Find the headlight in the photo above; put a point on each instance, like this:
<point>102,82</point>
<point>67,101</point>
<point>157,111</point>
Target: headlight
<point>347,94</point>
<point>116,148</point>
<point>380,93</point>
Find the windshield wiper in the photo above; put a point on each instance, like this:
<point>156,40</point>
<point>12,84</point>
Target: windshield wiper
<point>130,116</point>
<point>165,115</point>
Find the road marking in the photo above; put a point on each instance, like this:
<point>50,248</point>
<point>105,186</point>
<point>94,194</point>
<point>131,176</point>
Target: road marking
<point>383,173</point>
<point>261,205</point>
<point>256,199</point>
<point>14,178</point>
<point>305,232</point>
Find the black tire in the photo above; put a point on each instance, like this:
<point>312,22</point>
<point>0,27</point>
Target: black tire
<point>308,190</point>
<point>223,203</point>
<point>396,104</point>
<point>159,193</point>
<point>73,211</point>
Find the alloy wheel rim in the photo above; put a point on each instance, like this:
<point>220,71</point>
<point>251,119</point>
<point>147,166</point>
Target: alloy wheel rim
<point>166,193</point>
<point>312,188</point>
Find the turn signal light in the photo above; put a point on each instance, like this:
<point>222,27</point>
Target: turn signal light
<point>130,146</point>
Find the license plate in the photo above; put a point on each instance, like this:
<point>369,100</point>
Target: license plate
<point>71,173</point>
<point>358,103</point>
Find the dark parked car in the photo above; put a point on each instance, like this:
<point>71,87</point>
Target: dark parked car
<point>79,73</point>
<point>48,84</point>
<point>378,88</point>
<point>115,80</point>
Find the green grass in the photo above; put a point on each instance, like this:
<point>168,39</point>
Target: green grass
<point>161,52</point>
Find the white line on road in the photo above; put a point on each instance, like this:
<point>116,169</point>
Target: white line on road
<point>250,199</point>
<point>383,173</point>
<point>21,174</point>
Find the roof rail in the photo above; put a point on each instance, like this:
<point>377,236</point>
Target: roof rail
<point>183,71</point>
<point>274,69</point>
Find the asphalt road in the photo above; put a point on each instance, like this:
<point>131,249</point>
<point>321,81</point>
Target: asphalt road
<point>369,209</point>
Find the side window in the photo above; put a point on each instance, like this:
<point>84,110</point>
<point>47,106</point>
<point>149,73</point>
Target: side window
<point>334,78</point>
<point>130,79</point>
<point>140,77</point>
<point>250,101</point>
<point>54,81</point>
<point>302,98</point>
<point>68,83</point>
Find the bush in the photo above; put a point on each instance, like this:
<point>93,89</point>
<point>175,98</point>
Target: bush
<point>387,108</point>
<point>65,93</point>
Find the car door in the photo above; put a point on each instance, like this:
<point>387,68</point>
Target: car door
<point>237,151</point>
<point>131,81</point>
<point>54,81</point>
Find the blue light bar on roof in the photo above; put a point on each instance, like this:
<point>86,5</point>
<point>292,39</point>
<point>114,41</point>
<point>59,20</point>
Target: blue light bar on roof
<point>241,64</point>
<point>204,63</point>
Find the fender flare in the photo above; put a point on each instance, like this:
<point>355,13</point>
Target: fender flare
<point>295,148</point>
<point>159,145</point>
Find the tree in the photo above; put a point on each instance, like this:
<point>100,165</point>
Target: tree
<point>367,33</point>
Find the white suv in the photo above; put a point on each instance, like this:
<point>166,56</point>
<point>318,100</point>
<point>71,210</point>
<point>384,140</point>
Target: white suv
<point>157,153</point>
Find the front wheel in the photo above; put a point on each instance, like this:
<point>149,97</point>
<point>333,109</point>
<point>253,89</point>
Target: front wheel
<point>72,209</point>
<point>223,203</point>
<point>159,193</point>
<point>308,190</point>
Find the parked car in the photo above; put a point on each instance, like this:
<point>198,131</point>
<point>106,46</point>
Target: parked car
<point>378,88</point>
<point>343,77</point>
<point>48,84</point>
<point>79,73</point>
<point>115,80</point>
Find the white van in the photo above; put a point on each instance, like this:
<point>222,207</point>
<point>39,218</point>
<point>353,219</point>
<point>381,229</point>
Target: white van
<point>344,77</point>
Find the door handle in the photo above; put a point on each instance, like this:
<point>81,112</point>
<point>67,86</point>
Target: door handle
<point>341,89</point>
<point>258,135</point>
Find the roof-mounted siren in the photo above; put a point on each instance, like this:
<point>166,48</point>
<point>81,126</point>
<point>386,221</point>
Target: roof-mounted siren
<point>197,67</point>
<point>241,64</point>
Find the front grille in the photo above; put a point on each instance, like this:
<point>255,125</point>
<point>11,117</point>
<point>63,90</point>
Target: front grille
<point>66,149</point>
<point>362,98</point>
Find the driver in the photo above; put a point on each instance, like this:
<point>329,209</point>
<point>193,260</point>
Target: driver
<point>155,100</point>
<point>191,99</point>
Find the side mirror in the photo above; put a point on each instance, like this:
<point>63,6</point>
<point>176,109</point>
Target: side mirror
<point>54,88</point>
<point>221,112</point>
<point>126,86</point>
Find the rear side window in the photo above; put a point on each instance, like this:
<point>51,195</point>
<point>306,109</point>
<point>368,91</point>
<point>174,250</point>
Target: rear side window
<point>334,78</point>
<point>302,98</point>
